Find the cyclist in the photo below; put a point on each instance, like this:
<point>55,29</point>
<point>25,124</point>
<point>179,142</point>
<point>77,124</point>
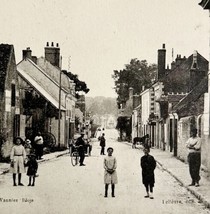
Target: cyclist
<point>81,148</point>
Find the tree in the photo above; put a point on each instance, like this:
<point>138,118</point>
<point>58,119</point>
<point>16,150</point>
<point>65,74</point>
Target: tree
<point>136,74</point>
<point>79,85</point>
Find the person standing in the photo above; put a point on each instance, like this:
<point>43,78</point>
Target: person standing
<point>147,142</point>
<point>110,174</point>
<point>102,144</point>
<point>18,158</point>
<point>81,149</point>
<point>89,146</point>
<point>148,165</point>
<point>194,157</point>
<point>32,169</point>
<point>38,140</point>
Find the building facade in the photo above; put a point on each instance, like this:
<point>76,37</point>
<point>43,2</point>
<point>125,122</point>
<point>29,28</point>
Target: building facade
<point>9,99</point>
<point>48,96</point>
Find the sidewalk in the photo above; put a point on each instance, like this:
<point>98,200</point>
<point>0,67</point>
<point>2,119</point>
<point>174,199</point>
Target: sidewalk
<point>180,171</point>
<point>4,167</point>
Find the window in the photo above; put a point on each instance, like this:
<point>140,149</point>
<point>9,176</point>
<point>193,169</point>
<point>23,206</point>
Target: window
<point>13,95</point>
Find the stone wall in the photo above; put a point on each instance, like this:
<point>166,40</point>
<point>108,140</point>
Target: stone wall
<point>184,126</point>
<point>8,111</point>
<point>205,149</point>
<point>183,136</point>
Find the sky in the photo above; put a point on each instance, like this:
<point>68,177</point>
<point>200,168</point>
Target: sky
<point>97,37</point>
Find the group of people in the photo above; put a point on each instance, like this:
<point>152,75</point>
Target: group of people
<point>147,162</point>
<point>82,146</point>
<point>148,165</point>
<point>37,146</point>
<point>23,155</point>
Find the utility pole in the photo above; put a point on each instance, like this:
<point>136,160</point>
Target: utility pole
<point>59,108</point>
<point>69,63</point>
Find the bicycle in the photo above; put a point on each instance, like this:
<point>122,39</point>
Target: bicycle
<point>75,157</point>
<point>74,153</point>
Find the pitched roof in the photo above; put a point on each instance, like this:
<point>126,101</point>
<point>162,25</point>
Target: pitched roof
<point>54,73</point>
<point>5,53</point>
<point>178,80</point>
<point>39,89</point>
<point>171,98</point>
<point>40,76</point>
<point>193,96</point>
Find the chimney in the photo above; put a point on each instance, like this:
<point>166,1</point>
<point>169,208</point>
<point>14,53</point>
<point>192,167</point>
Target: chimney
<point>178,61</point>
<point>161,62</point>
<point>173,65</point>
<point>52,54</point>
<point>136,100</point>
<point>27,53</point>
<point>130,92</point>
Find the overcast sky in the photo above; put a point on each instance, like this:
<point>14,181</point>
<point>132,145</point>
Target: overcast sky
<point>103,35</point>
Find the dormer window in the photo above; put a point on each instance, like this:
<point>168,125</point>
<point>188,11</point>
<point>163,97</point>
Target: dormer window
<point>195,60</point>
<point>194,65</point>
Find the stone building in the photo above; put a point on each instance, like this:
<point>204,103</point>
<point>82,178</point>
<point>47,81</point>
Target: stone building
<point>178,97</point>
<point>9,99</point>
<point>48,97</point>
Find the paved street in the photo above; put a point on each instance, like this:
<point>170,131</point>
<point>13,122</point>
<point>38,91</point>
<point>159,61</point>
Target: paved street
<point>62,188</point>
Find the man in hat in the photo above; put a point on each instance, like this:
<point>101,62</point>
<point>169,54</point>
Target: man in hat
<point>194,157</point>
<point>81,148</point>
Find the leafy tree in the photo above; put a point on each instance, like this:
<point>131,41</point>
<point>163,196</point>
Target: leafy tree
<point>136,74</point>
<point>79,85</point>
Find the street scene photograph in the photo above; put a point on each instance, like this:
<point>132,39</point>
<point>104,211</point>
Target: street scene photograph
<point>105,107</point>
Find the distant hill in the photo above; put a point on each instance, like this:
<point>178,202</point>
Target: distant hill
<point>101,105</point>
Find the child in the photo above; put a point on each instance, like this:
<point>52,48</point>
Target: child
<point>148,165</point>
<point>17,157</point>
<point>28,147</point>
<point>32,169</point>
<point>110,174</point>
